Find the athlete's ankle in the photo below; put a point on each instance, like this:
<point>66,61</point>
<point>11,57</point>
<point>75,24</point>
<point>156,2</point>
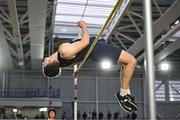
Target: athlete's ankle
<point>124,92</point>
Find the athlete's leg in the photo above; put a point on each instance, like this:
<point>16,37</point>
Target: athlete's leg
<point>128,63</point>
<point>124,98</point>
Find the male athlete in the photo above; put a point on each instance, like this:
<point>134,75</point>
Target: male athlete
<point>73,52</point>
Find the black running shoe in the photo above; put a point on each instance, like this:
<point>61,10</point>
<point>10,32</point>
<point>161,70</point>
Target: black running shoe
<point>132,101</point>
<point>126,102</point>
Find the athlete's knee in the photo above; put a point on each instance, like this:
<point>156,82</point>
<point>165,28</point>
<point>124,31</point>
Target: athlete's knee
<point>126,58</point>
<point>133,61</point>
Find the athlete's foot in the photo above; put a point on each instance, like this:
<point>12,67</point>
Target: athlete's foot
<point>126,102</point>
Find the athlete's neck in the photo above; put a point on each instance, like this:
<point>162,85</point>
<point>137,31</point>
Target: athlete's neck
<point>54,56</point>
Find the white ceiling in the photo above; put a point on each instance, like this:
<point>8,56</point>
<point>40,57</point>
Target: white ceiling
<point>95,11</point>
<point>69,12</point>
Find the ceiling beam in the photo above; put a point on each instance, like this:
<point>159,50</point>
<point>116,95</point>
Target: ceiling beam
<point>25,39</point>
<point>73,29</point>
<point>16,30</point>
<point>117,18</point>
<point>37,12</point>
<point>126,26</point>
<point>79,15</point>
<point>162,39</point>
<point>28,53</point>
<point>162,24</point>
<point>13,52</point>
<point>4,13</point>
<point>5,19</point>
<point>83,4</point>
<point>6,59</point>
<point>120,41</point>
<point>127,37</point>
<point>136,14</point>
<point>74,24</point>
<point>23,17</point>
<point>134,23</point>
<point>167,50</point>
<point>9,36</point>
<point>157,6</point>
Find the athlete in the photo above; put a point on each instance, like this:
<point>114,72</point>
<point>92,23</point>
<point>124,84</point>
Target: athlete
<point>72,52</point>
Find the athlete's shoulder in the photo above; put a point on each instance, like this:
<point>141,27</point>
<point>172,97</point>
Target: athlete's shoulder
<point>61,40</point>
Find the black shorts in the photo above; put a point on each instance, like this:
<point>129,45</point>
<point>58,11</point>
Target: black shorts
<point>103,51</point>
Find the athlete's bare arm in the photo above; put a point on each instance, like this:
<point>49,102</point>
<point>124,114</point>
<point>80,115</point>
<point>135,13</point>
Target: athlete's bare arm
<point>69,50</point>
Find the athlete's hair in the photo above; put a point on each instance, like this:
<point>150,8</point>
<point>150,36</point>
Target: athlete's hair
<point>52,69</point>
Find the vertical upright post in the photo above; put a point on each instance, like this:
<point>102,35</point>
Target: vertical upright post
<point>3,84</point>
<point>166,83</point>
<point>75,91</point>
<point>145,96</point>
<point>97,95</point>
<point>149,68</point>
<point>47,88</point>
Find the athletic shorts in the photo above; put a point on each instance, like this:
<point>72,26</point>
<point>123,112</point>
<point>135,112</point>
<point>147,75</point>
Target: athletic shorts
<point>103,51</point>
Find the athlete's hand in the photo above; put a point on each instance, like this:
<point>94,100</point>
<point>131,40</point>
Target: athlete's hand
<point>85,34</point>
<point>82,24</point>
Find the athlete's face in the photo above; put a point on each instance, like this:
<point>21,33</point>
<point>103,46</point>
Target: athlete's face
<point>47,61</point>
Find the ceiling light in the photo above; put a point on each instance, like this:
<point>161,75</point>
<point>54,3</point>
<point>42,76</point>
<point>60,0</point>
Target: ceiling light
<point>106,64</point>
<point>171,99</point>
<point>43,109</point>
<point>176,22</point>
<point>14,110</point>
<point>164,66</point>
<point>21,63</point>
